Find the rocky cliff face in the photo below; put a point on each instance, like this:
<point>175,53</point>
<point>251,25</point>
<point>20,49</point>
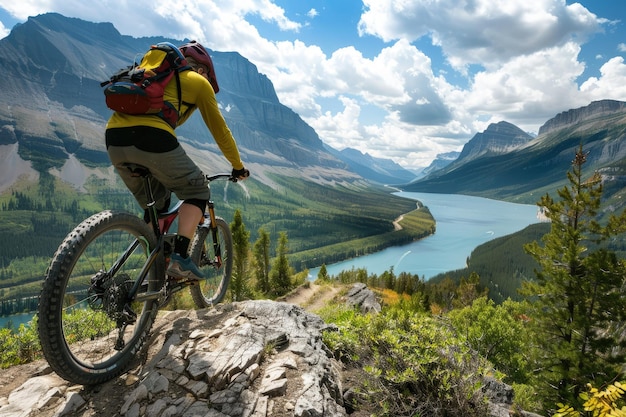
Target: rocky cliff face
<point>575,116</point>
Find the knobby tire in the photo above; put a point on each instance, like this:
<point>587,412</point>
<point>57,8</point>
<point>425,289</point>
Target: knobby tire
<point>79,331</point>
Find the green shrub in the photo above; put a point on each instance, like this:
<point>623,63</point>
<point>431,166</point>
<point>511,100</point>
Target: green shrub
<point>416,365</point>
<point>499,333</point>
<point>19,347</point>
<point>526,398</point>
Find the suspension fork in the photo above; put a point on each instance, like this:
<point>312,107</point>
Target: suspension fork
<point>217,250</point>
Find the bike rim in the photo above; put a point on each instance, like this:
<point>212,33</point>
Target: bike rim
<point>212,286</point>
<point>90,321</point>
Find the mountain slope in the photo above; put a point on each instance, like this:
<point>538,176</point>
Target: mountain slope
<point>539,165</point>
<point>498,139</point>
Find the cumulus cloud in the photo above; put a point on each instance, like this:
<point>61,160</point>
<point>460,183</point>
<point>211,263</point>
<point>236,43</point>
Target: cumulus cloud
<point>610,85</point>
<point>148,18</point>
<point>485,32</point>
<point>525,90</point>
<point>3,31</point>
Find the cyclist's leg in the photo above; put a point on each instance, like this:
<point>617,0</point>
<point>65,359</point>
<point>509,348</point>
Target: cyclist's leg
<point>183,177</point>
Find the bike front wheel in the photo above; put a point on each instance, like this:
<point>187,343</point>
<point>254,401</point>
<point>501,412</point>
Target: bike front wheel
<point>88,329</point>
<point>212,251</point>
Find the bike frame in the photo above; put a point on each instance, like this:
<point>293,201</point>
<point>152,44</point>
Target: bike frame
<point>161,224</point>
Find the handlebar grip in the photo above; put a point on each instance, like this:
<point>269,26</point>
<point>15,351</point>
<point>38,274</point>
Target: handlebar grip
<point>224,175</point>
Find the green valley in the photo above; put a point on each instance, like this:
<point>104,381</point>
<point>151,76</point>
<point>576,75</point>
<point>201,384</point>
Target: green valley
<point>324,223</point>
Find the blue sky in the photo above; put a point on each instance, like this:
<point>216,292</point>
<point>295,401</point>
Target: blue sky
<point>398,79</point>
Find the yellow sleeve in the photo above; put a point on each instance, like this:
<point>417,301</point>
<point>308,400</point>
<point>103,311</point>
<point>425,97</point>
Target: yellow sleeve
<point>197,90</point>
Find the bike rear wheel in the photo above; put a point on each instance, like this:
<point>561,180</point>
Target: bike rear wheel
<point>89,333</point>
<point>216,267</point>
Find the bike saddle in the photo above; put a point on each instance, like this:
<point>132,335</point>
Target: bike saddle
<point>137,170</point>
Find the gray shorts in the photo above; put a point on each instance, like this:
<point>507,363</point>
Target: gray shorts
<point>172,171</point>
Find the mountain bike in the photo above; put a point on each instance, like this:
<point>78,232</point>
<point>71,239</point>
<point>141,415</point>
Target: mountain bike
<point>107,281</point>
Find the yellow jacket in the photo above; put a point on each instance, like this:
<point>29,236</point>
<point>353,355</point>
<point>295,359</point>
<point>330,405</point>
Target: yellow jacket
<point>197,93</point>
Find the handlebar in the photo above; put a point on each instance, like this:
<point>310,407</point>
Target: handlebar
<point>227,176</point>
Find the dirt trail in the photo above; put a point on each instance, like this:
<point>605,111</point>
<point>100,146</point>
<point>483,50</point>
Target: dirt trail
<point>312,297</point>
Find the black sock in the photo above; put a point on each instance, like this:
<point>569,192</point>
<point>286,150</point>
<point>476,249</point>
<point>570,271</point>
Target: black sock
<point>181,245</point>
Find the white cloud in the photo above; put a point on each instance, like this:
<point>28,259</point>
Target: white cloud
<point>610,85</point>
<point>149,18</point>
<point>486,32</point>
<point>3,31</point>
<point>525,90</point>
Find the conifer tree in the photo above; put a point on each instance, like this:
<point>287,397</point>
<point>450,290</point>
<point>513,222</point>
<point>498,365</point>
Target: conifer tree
<point>239,287</point>
<point>322,275</point>
<point>578,292</point>
<point>262,261</point>
<point>280,275</point>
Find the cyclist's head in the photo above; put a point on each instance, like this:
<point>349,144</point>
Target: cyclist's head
<point>197,55</point>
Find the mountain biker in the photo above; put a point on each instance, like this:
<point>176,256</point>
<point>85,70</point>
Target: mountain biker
<point>150,141</point>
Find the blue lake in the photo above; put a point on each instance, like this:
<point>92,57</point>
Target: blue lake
<point>15,320</point>
<point>463,223</point>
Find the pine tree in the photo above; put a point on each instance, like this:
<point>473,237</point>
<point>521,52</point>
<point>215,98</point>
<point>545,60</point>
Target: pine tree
<point>239,287</point>
<point>262,261</point>
<point>322,275</point>
<point>281,272</point>
<point>578,291</point>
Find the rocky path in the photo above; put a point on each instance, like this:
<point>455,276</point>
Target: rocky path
<point>246,359</point>
<point>255,358</point>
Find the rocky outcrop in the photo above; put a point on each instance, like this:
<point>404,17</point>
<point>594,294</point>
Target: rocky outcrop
<point>248,359</point>
<point>256,359</point>
<point>362,298</point>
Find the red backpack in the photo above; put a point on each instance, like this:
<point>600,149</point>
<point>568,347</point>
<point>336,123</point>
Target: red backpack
<point>139,88</point>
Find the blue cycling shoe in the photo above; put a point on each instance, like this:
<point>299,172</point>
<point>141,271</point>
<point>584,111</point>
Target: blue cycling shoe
<point>183,268</point>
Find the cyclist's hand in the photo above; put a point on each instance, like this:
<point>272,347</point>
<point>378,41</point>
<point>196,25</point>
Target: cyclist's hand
<point>240,174</point>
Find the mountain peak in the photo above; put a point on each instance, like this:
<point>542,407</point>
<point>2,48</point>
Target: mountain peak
<point>498,138</point>
<point>384,171</point>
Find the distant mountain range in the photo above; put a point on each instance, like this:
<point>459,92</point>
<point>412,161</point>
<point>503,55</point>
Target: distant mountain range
<point>505,163</point>
<point>383,171</point>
